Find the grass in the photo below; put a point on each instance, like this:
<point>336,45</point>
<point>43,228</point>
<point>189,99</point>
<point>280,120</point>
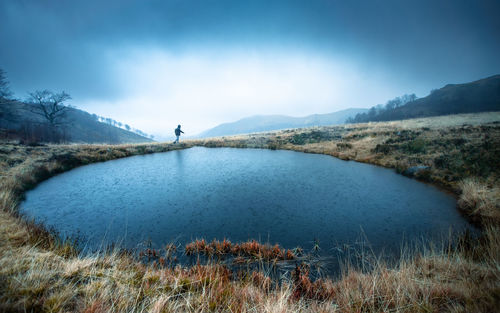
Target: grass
<point>252,249</point>
<point>479,199</point>
<point>40,273</point>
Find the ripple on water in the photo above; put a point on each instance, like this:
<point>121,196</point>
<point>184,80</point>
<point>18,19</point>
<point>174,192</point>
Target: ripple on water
<point>278,196</point>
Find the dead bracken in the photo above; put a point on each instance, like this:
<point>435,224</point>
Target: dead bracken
<point>251,248</point>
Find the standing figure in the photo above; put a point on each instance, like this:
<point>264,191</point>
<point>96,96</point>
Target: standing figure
<point>178,132</point>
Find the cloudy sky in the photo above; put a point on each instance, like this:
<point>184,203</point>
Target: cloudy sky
<point>154,64</point>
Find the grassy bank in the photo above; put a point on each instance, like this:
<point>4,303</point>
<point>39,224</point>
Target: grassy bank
<point>459,153</point>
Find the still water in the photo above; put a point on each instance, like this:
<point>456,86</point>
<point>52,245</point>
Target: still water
<point>290,198</point>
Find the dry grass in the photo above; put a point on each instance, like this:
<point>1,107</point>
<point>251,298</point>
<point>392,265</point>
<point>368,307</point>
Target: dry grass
<point>40,273</point>
<point>252,249</point>
<point>480,199</point>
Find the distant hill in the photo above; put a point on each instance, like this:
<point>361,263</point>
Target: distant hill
<point>260,123</point>
<point>79,127</point>
<point>85,128</point>
<point>478,96</point>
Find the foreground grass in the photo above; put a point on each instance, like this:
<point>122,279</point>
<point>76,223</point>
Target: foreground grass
<point>40,273</point>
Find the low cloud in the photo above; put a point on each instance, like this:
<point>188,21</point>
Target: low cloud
<point>201,90</point>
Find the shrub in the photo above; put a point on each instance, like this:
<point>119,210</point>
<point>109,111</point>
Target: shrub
<point>298,139</point>
<point>383,148</point>
<point>415,146</point>
<point>343,146</point>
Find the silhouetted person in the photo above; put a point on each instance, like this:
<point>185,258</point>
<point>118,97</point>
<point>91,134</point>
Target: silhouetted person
<point>178,132</point>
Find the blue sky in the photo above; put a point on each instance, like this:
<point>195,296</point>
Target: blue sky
<point>155,64</point>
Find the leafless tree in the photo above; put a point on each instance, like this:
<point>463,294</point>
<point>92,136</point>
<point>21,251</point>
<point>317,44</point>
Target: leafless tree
<point>5,97</point>
<point>49,105</point>
<point>5,92</point>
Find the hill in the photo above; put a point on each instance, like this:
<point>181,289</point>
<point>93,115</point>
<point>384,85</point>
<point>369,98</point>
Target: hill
<point>478,96</point>
<point>78,127</point>
<point>260,123</point>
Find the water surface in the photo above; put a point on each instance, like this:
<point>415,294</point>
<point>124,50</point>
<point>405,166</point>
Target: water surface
<point>284,197</point>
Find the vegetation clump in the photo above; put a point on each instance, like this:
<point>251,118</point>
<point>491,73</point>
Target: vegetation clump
<point>251,249</point>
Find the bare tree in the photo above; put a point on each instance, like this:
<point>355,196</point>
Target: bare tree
<point>49,105</point>
<point>5,97</point>
<point>5,92</point>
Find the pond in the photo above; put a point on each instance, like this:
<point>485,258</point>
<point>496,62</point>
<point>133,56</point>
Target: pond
<point>290,198</point>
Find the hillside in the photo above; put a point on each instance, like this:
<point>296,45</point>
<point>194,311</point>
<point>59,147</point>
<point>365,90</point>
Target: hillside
<point>478,96</point>
<point>86,129</point>
<point>78,127</point>
<point>260,123</point>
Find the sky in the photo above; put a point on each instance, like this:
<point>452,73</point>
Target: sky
<point>154,64</point>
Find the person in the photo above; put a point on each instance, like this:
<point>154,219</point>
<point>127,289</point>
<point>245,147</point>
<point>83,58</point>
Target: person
<point>178,132</point>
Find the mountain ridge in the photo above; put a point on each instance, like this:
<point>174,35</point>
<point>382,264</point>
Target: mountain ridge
<point>260,123</point>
